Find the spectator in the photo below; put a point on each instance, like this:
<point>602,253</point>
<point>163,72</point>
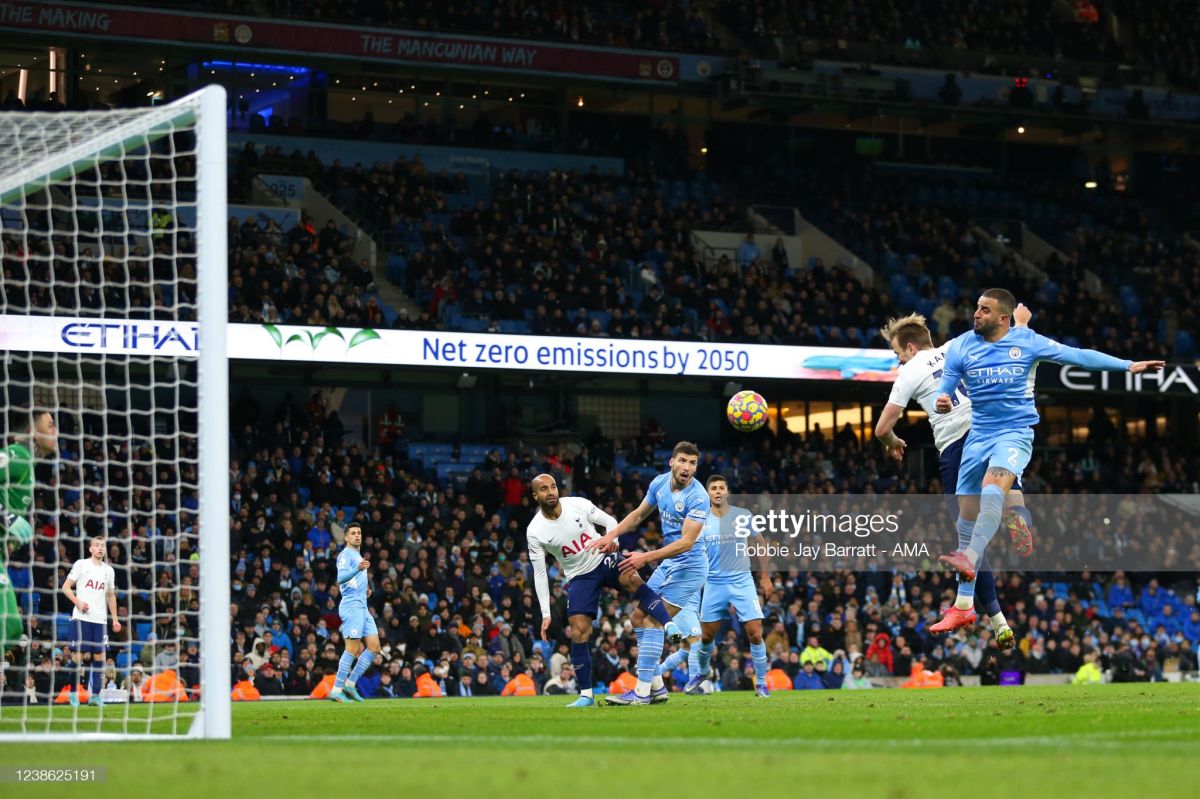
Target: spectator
<point>808,679</point>
<point>857,679</point>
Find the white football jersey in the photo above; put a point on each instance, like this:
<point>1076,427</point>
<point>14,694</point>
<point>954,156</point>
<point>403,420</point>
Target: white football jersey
<point>918,380</point>
<point>92,584</point>
<point>565,538</point>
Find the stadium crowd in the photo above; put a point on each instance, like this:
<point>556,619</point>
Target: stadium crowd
<point>606,255</point>
<point>1048,32</point>
<point>452,584</point>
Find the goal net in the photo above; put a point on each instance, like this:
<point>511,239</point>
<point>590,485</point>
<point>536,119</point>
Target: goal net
<point>112,327</point>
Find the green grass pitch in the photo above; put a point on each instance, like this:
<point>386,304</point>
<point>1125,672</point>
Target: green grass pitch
<point>1110,740</point>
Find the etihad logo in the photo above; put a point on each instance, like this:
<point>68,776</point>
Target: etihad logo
<point>136,336</point>
<point>986,372</point>
<point>1172,380</point>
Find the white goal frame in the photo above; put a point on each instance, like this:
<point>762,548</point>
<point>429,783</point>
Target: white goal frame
<point>205,111</point>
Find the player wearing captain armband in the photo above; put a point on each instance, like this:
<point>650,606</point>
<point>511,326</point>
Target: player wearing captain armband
<point>683,507</point>
<point>36,436</point>
<point>997,362</point>
<point>563,527</point>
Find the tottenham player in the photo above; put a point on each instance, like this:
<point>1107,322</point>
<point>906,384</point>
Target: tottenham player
<point>90,587</point>
<point>358,626</point>
<point>683,508</point>
<point>563,527</point>
<point>730,585</point>
<point>920,370</point>
<point>1000,382</point>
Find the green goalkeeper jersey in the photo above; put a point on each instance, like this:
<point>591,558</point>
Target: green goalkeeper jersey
<point>16,479</point>
<point>16,493</point>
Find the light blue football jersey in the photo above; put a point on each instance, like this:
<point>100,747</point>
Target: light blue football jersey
<point>690,502</point>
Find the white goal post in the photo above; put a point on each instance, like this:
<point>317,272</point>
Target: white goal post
<point>113,224</point>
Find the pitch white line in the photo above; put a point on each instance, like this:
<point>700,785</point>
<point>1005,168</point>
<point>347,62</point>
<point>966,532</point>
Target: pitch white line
<point>1117,739</point>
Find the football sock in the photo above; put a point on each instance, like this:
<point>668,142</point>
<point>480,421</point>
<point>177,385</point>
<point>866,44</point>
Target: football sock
<point>652,604</point>
<point>694,661</point>
<point>581,661</point>
<point>966,590</point>
<point>96,676</point>
<point>673,660</point>
<point>649,653</point>
<point>344,666</point>
<point>991,508</point>
<point>758,652</point>
<point>365,659</point>
<point>998,621</point>
<point>985,587</point>
<point>704,660</point>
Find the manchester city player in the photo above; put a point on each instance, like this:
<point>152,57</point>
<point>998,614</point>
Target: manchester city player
<point>996,362</point>
<point>358,626</point>
<point>730,584</point>
<point>683,507</point>
<point>920,373</point>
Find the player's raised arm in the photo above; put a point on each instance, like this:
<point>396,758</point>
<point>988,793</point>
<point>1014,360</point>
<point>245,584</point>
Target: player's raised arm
<point>1021,315</point>
<point>627,525</point>
<point>687,538</point>
<point>601,518</point>
<point>1047,349</point>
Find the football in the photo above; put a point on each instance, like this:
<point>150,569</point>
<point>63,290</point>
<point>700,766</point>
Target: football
<point>747,411</point>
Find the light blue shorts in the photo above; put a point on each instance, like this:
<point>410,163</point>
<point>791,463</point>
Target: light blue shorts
<point>357,623</point>
<point>741,593</point>
<point>1009,450</point>
<point>680,584</point>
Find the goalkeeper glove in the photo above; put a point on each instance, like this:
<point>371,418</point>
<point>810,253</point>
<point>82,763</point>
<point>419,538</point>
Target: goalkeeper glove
<point>17,527</point>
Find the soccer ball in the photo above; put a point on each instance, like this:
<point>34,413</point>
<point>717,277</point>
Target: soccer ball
<point>747,411</point>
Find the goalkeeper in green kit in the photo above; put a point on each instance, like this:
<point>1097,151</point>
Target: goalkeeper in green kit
<point>37,436</point>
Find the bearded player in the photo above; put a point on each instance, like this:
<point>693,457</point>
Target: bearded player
<point>683,507</point>
<point>997,363</point>
<point>920,371</point>
<point>564,526</point>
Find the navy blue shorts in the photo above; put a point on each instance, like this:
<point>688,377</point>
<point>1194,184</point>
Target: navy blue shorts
<point>583,592</point>
<point>89,636</point>
<point>949,463</point>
